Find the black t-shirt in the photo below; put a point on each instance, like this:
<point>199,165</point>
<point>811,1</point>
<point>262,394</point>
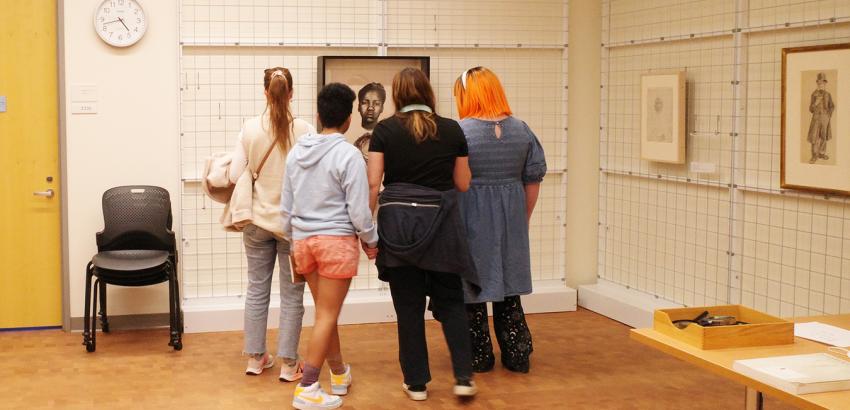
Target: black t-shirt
<point>430,163</point>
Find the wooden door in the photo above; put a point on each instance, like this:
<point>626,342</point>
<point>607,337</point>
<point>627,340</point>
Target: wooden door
<point>30,209</point>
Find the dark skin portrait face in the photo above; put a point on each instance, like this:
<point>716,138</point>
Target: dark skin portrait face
<point>371,107</point>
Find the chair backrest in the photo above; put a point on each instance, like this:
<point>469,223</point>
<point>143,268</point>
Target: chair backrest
<point>136,217</point>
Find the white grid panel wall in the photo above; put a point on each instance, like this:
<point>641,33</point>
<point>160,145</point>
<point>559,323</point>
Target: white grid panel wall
<point>794,255</point>
<point>730,236</point>
<point>226,44</point>
<point>281,22</point>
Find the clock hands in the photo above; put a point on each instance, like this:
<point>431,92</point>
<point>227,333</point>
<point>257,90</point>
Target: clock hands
<point>122,23</point>
<point>113,21</point>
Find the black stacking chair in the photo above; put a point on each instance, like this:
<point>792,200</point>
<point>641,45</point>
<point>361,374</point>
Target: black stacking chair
<point>135,248</point>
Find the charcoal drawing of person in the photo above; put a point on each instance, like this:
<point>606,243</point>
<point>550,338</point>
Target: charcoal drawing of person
<point>659,123</point>
<point>370,100</point>
<point>821,107</point>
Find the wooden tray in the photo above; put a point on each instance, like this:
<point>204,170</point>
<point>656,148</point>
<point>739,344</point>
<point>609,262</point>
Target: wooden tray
<point>761,330</point>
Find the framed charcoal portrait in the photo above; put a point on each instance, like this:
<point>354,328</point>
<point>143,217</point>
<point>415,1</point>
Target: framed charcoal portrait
<point>371,78</point>
<point>815,129</point>
<point>662,117</point>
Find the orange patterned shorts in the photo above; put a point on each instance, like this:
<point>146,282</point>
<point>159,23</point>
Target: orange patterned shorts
<point>334,257</point>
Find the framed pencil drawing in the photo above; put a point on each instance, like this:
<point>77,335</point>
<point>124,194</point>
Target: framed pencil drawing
<point>815,154</point>
<point>371,78</point>
<point>662,117</point>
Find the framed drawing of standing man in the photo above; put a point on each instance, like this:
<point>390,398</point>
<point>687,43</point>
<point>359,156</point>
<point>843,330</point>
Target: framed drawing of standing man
<point>662,119</point>
<point>371,79</point>
<point>815,139</point>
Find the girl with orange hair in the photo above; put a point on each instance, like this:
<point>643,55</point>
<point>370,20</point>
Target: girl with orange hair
<point>507,164</point>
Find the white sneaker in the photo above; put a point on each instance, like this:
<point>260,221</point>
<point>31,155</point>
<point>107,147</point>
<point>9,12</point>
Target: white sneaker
<point>291,373</point>
<point>314,398</point>
<point>341,382</point>
<point>256,367</point>
<point>464,390</point>
<point>415,395</point>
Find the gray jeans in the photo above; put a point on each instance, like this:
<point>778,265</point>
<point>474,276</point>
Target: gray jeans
<point>262,249</point>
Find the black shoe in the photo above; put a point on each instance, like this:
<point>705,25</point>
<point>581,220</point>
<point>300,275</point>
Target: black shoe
<point>517,366</point>
<point>465,388</point>
<point>416,392</point>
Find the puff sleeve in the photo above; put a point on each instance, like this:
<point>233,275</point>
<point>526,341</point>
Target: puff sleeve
<point>535,160</point>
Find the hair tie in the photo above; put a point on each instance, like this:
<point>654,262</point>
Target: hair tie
<point>463,78</point>
<point>277,73</point>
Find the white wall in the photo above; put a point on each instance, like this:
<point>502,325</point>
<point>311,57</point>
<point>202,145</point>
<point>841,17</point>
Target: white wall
<point>732,235</point>
<point>133,138</point>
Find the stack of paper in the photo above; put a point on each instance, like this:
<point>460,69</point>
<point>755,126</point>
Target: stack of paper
<point>800,374</point>
<point>823,333</point>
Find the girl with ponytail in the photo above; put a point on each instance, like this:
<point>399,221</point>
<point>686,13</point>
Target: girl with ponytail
<point>261,149</point>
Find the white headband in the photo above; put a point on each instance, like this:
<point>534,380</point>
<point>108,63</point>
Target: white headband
<point>463,78</point>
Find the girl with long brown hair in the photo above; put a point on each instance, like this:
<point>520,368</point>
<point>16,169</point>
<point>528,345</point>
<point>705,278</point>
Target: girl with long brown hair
<point>421,159</point>
<point>261,150</point>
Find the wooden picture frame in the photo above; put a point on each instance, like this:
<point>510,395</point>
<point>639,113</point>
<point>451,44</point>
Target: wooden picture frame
<point>663,122</point>
<point>815,140</point>
<point>362,73</point>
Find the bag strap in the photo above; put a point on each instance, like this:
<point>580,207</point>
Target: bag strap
<point>256,174</point>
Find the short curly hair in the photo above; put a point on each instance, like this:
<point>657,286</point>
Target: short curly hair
<point>334,104</point>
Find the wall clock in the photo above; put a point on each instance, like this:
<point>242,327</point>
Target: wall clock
<point>120,23</point>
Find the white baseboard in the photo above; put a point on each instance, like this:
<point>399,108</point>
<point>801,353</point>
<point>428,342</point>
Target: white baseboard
<point>625,305</point>
<point>361,306</point>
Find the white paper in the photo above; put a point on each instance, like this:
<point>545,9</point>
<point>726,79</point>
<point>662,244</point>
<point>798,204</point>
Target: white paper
<point>783,373</point>
<point>820,332</point>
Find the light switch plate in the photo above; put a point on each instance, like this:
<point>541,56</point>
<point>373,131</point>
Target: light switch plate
<point>2,103</point>
<point>83,93</point>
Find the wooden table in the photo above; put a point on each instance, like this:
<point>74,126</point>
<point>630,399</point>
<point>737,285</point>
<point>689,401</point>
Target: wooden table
<point>720,362</point>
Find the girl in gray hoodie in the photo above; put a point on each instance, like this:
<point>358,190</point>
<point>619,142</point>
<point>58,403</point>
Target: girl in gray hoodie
<point>325,209</point>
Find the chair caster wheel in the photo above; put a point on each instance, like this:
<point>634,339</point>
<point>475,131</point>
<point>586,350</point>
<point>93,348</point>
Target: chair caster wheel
<point>105,327</point>
<point>178,345</point>
<point>90,347</point>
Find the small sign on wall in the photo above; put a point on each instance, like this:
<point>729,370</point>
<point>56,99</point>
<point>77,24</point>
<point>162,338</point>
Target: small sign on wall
<point>2,103</point>
<point>84,99</point>
<point>84,108</point>
<point>83,92</point>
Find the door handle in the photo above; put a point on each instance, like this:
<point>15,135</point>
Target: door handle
<point>47,194</point>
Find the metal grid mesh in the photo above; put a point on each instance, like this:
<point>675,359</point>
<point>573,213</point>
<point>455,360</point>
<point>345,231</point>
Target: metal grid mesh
<point>226,44</point>
<point>730,236</point>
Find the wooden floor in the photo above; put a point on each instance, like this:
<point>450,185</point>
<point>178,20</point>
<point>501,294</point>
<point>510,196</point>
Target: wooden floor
<point>581,361</point>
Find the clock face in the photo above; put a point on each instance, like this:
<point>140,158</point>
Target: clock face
<point>120,23</point>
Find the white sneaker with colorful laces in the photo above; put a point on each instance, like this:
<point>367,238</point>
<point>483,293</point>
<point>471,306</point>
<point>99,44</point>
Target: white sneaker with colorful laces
<point>256,366</point>
<point>341,382</point>
<point>313,397</point>
<point>291,373</point>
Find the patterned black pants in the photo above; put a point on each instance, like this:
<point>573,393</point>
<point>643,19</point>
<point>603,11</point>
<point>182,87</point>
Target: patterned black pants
<point>512,334</point>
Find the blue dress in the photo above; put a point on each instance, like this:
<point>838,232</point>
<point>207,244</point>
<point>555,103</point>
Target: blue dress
<point>494,207</point>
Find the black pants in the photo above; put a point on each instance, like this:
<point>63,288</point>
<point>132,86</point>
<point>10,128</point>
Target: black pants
<point>409,286</point>
<point>511,332</point>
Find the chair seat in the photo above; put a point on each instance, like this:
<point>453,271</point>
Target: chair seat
<point>130,260</point>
